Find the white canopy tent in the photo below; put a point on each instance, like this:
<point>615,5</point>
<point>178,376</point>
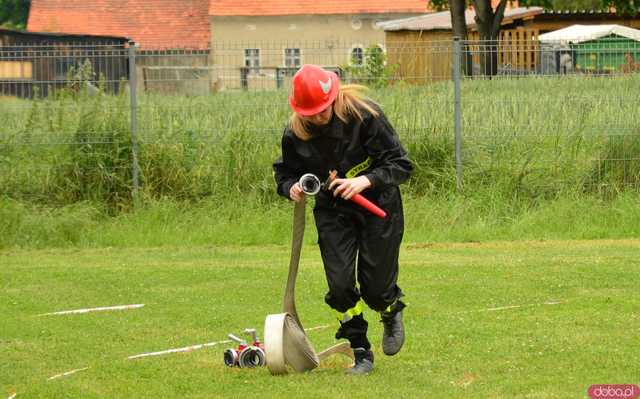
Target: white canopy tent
<point>558,48</point>
<point>584,33</point>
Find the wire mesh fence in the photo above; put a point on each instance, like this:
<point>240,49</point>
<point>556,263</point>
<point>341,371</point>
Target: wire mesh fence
<point>99,122</point>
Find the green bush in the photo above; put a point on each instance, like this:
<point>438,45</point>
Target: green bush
<point>372,70</point>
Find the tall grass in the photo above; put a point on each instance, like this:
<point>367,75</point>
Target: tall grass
<point>528,145</point>
<point>530,137</point>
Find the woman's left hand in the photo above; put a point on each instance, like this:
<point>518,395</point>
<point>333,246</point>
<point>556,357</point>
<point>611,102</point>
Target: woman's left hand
<point>347,188</point>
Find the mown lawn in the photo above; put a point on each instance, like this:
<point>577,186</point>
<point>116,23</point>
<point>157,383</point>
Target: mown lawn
<point>534,319</point>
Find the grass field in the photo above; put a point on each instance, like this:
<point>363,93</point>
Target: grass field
<point>522,285</point>
<point>530,319</point>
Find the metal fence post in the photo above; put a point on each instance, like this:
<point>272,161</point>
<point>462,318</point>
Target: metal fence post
<point>457,108</point>
<point>133,83</point>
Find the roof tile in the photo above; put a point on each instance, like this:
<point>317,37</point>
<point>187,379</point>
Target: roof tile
<point>161,24</point>
<point>298,7</point>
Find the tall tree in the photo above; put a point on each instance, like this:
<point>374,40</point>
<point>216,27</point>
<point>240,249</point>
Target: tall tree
<point>488,22</point>
<point>14,13</point>
<point>459,27</point>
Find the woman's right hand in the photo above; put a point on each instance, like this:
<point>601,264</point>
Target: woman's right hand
<point>295,192</point>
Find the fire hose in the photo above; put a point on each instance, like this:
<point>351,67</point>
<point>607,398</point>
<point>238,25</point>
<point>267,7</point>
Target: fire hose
<point>286,344</point>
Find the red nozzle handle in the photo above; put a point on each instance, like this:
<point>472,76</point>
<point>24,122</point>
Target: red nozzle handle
<point>368,205</point>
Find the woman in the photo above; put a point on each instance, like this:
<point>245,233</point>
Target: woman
<point>336,128</point>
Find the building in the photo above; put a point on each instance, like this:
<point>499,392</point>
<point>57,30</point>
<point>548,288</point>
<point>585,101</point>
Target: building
<point>422,46</point>
<point>194,46</point>
<point>36,63</point>
<point>551,20</point>
<point>153,25</point>
<point>172,37</point>
<point>259,44</point>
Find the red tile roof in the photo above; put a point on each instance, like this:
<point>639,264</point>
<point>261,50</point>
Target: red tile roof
<point>296,7</point>
<point>158,24</point>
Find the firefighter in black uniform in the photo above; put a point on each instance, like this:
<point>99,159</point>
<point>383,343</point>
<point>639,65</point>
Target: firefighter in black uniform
<point>337,128</point>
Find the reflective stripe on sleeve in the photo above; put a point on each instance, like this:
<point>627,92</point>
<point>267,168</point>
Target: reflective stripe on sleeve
<point>362,166</point>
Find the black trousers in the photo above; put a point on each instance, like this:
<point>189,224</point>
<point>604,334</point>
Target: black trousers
<point>357,246</point>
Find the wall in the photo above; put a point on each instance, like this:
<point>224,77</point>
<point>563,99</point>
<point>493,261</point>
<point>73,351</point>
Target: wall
<point>421,57</point>
<point>173,71</point>
<point>37,63</point>
<point>326,40</point>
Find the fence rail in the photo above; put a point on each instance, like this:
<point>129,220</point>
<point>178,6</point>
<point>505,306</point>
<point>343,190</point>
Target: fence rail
<point>102,122</point>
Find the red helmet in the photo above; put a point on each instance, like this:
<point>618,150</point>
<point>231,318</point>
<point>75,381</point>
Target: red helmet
<point>314,89</point>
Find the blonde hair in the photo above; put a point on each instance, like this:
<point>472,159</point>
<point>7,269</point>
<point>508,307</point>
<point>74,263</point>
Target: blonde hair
<point>350,102</point>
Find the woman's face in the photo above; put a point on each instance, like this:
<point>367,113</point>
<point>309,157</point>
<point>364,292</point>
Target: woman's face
<point>321,118</point>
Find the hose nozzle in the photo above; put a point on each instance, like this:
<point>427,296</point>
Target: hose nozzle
<point>238,340</point>
<point>310,184</point>
<point>252,332</point>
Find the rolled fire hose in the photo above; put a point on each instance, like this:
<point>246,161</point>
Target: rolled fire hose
<point>286,344</point>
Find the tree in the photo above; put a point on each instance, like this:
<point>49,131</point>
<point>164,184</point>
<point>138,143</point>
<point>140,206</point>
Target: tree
<point>488,22</point>
<point>14,13</point>
<point>459,27</point>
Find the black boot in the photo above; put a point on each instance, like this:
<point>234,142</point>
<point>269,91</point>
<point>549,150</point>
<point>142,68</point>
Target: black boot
<point>393,335</point>
<point>363,363</point>
<point>355,330</point>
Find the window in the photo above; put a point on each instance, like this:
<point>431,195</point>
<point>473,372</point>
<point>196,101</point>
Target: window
<point>292,57</point>
<point>357,56</point>
<point>252,59</point>
<point>63,66</point>
<point>16,70</point>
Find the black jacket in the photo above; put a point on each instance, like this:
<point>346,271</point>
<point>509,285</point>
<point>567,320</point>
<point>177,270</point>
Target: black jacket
<point>370,148</point>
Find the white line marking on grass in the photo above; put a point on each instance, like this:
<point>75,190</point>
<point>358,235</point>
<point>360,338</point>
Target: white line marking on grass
<point>317,328</point>
<point>199,346</point>
<point>77,311</point>
<point>177,350</point>
<point>67,373</point>
<point>501,308</point>
<point>513,307</point>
